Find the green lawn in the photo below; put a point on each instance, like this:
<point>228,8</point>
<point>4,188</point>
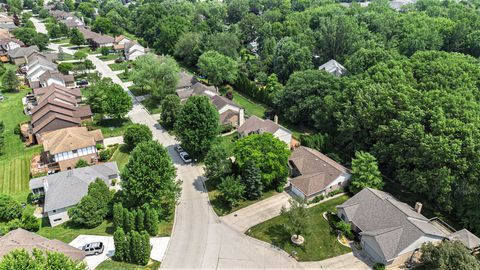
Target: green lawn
<point>68,231</point>
<point>113,265</point>
<point>229,142</point>
<point>121,156</point>
<point>320,243</point>
<point>111,127</point>
<point>137,91</point>
<point>15,161</point>
<point>165,227</point>
<point>125,77</point>
<point>119,66</point>
<point>251,108</point>
<point>108,57</point>
<point>61,41</point>
<point>152,105</point>
<point>221,208</point>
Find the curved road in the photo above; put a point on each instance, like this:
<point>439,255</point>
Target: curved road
<point>199,239</point>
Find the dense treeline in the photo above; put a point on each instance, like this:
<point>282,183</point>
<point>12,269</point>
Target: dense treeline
<point>411,97</point>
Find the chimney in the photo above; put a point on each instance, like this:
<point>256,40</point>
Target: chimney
<point>418,207</point>
<point>275,119</point>
<point>45,185</point>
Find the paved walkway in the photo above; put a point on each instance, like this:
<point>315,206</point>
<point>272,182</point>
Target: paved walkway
<point>113,140</point>
<point>259,212</point>
<point>347,261</point>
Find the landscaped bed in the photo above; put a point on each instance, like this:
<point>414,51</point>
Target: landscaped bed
<point>321,241</point>
<point>113,265</point>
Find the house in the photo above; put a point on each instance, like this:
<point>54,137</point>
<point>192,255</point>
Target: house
<point>8,44</point>
<point>37,65</point>
<point>133,50</point>
<point>102,41</point>
<point>19,55</point>
<point>65,189</point>
<point>72,22</point>
<point>185,81</point>
<point>391,231</point>
<point>23,239</point>
<point>120,42</point>
<point>55,111</point>
<point>230,113</point>
<point>88,34</point>
<point>313,173</point>
<point>7,22</point>
<point>74,92</point>
<point>471,241</point>
<point>63,148</point>
<point>334,68</point>
<point>256,125</point>
<point>60,14</point>
<point>51,77</point>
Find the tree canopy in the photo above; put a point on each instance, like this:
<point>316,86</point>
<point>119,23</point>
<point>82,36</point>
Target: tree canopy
<point>365,173</point>
<point>22,259</point>
<point>217,68</point>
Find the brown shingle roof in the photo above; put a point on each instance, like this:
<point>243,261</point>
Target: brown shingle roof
<point>39,125</point>
<point>257,125</point>
<point>56,87</point>
<point>220,102</point>
<point>68,139</point>
<point>22,239</point>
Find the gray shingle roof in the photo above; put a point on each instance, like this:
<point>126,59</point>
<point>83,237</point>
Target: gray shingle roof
<point>67,188</point>
<point>333,67</point>
<point>22,51</point>
<point>393,225</point>
<point>470,240</point>
<point>255,124</point>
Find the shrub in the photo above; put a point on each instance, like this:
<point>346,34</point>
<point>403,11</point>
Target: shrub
<point>378,266</point>
<point>105,155</point>
<point>104,50</point>
<point>229,95</point>
<point>17,130</point>
<point>81,163</point>
<point>100,146</point>
<point>346,229</point>
<point>9,208</point>
<point>334,192</point>
<point>318,199</point>
<point>226,128</point>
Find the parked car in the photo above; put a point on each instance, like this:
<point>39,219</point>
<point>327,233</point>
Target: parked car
<point>179,149</point>
<point>94,248</point>
<point>82,82</point>
<point>185,157</point>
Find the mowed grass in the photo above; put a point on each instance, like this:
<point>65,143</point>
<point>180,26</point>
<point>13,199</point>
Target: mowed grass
<point>15,161</point>
<point>68,231</point>
<point>121,156</point>
<point>321,241</point>
<point>251,108</point>
<point>113,265</point>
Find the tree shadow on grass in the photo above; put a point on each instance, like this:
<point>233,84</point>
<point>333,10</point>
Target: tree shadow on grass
<point>278,235</point>
<point>114,122</point>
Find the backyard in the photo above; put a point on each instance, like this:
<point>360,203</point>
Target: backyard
<point>110,127</point>
<point>121,156</point>
<point>251,108</point>
<point>15,161</point>
<point>321,241</point>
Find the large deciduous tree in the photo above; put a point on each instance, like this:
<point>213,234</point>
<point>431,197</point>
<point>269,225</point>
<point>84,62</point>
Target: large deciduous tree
<point>9,208</point>
<point>93,207</point>
<point>169,110</point>
<point>268,153</point>
<point>149,178</point>
<point>217,163</point>
<point>157,75</point>
<point>218,68</point>
<point>290,56</point>
<point>197,125</point>
<point>37,259</point>
<point>365,172</point>
<point>109,98</point>
<point>135,134</point>
<point>76,37</point>
<point>448,255</point>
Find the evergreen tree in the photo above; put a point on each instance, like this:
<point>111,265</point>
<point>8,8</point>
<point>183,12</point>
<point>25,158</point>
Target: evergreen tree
<point>151,221</point>
<point>139,220</point>
<point>146,248</point>
<point>131,216</point>
<point>117,215</point>
<point>136,247</point>
<point>127,225</point>
<point>252,180</point>
<point>128,248</point>
<point>121,247</point>
<point>10,80</point>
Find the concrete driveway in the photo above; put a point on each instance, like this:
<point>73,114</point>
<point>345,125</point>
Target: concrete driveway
<point>347,261</point>
<point>94,261</point>
<point>259,212</point>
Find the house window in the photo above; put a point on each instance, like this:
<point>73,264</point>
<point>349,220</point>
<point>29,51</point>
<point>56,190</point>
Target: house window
<point>57,219</point>
<point>54,211</point>
<point>74,151</point>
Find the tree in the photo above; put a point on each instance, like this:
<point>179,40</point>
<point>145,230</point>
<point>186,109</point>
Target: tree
<point>156,75</point>
<point>116,102</point>
<point>55,32</point>
<point>10,80</point>
<point>231,189</point>
<point>151,221</point>
<point>448,255</point>
<point>139,220</point>
<point>128,226</point>
<point>76,37</point>
<point>9,208</point>
<point>268,153</point>
<point>102,25</point>
<point>149,178</point>
<point>136,247</point>
<point>30,223</point>
<point>30,37</point>
<point>237,10</point>
<point>217,163</point>
<point>80,55</point>
<point>93,207</point>
<point>189,47</point>
<point>224,42</point>
<point>197,125</point>
<point>297,218</point>
<point>81,163</point>
<point>121,245</point>
<point>169,110</point>
<point>218,68</point>
<point>135,134</point>
<point>290,56</point>
<point>170,28</point>
<point>117,215</point>
<point>65,68</point>
<point>252,180</point>
<point>146,249</point>
<point>22,259</point>
<point>88,64</point>
<point>365,172</point>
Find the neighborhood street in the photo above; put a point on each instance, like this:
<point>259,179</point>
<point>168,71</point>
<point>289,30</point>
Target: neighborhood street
<point>200,239</point>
